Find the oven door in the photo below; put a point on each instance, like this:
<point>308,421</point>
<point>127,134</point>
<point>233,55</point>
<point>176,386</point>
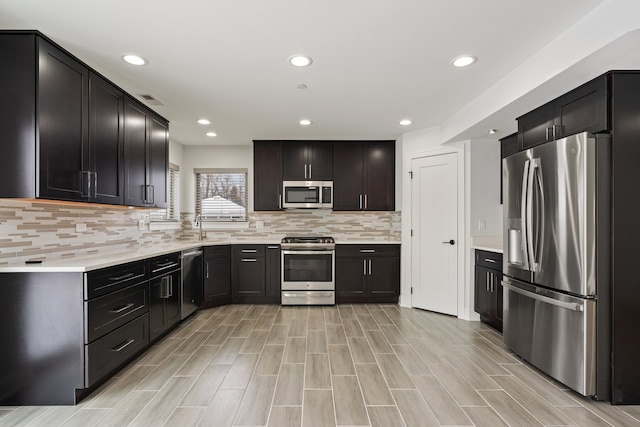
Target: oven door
<point>308,270</point>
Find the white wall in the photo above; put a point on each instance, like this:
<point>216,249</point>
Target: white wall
<point>484,174</point>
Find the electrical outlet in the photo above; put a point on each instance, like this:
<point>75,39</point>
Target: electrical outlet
<point>81,228</point>
<point>259,224</point>
<point>366,224</point>
<point>482,224</point>
<point>141,224</point>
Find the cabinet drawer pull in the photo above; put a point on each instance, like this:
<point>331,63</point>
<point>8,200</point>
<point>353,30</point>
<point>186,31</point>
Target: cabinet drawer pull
<point>273,247</point>
<point>123,345</point>
<point>490,260</point>
<point>367,251</point>
<point>123,308</point>
<point>249,260</point>
<point>165,264</point>
<point>125,276</point>
<point>249,251</point>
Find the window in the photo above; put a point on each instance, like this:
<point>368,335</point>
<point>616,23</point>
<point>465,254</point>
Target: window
<point>172,213</point>
<point>221,194</point>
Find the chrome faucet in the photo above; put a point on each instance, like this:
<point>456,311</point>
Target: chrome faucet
<point>199,225</point>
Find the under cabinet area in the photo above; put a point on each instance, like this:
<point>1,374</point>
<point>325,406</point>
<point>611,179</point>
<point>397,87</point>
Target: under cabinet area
<point>367,273</point>
<point>488,288</point>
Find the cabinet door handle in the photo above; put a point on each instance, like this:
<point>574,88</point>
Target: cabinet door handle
<point>366,201</point>
<point>95,184</point>
<point>369,267</point>
<point>249,260</point>
<point>305,171</point>
<point>123,345</point>
<point>547,134</point>
<point>279,201</point>
<point>123,308</point>
<point>170,286</point>
<point>310,171</point>
<point>486,281</point>
<point>364,267</point>
<point>206,267</point>
<point>360,202</point>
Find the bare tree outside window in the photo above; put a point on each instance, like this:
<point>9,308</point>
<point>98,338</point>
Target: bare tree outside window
<point>221,194</point>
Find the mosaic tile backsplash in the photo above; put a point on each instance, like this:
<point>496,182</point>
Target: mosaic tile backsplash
<point>47,230</point>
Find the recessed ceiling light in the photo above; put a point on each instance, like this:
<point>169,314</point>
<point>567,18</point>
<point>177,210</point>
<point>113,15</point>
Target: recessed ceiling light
<point>300,60</point>
<point>302,86</point>
<point>405,122</point>
<point>492,131</point>
<point>212,134</point>
<point>305,122</point>
<point>463,61</point>
<point>134,59</point>
<point>204,122</point>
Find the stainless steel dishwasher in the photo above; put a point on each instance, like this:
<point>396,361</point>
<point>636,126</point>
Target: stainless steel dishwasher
<point>191,292</point>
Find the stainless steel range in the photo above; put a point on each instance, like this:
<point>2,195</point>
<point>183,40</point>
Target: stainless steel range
<point>308,271</point>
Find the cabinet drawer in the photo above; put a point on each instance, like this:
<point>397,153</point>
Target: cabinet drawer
<point>110,311</point>
<point>107,280</point>
<point>111,351</point>
<point>248,251</point>
<point>367,250</point>
<point>492,260</point>
<point>164,263</point>
<point>223,251</point>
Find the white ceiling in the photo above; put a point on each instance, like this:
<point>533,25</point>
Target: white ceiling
<point>375,61</point>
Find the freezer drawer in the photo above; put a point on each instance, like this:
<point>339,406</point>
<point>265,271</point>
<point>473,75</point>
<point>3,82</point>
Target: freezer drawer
<point>554,332</point>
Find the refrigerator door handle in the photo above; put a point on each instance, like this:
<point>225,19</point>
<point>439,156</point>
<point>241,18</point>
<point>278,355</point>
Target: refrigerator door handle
<point>529,215</point>
<point>536,256</point>
<point>568,305</point>
<point>523,213</point>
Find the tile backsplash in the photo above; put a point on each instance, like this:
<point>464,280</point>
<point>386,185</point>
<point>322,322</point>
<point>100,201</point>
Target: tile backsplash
<point>39,229</point>
<point>352,226</point>
<point>34,229</point>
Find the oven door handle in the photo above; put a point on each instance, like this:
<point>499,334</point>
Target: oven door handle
<point>305,252</point>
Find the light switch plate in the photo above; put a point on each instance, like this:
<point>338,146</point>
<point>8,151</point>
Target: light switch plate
<point>81,228</point>
<point>141,224</point>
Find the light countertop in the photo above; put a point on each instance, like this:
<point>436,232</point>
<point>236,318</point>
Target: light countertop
<point>487,243</point>
<point>109,259</point>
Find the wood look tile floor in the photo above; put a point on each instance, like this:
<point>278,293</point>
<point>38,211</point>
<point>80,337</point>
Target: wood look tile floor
<point>360,365</point>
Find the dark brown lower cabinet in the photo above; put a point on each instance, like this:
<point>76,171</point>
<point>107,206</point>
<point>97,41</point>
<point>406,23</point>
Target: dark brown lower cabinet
<point>367,273</point>
<point>217,276</point>
<point>255,274</point>
<point>164,294</point>
<point>488,290</point>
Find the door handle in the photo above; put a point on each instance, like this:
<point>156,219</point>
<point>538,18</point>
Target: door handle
<point>449,242</point>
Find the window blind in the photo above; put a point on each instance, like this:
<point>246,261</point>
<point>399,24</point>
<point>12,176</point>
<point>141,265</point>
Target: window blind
<point>221,194</point>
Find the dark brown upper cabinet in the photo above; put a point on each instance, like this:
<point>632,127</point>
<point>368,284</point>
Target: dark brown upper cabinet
<point>307,160</point>
<point>64,127</point>
<point>146,141</point>
<point>364,175</point>
<point>267,175</point>
<point>584,109</point>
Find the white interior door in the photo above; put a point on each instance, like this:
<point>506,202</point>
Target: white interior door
<point>434,224</point>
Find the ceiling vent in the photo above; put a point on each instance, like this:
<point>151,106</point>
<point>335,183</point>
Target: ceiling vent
<point>150,99</point>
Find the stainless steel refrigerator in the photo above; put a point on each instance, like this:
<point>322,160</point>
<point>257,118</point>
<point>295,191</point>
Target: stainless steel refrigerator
<point>556,259</point>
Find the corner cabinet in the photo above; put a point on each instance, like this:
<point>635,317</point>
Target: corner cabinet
<point>64,127</point>
<point>488,288</point>
<point>367,273</point>
<point>364,175</point>
<point>146,156</point>
<point>267,175</point>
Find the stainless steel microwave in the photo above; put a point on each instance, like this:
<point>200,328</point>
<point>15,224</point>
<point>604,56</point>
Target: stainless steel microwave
<point>307,194</point>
